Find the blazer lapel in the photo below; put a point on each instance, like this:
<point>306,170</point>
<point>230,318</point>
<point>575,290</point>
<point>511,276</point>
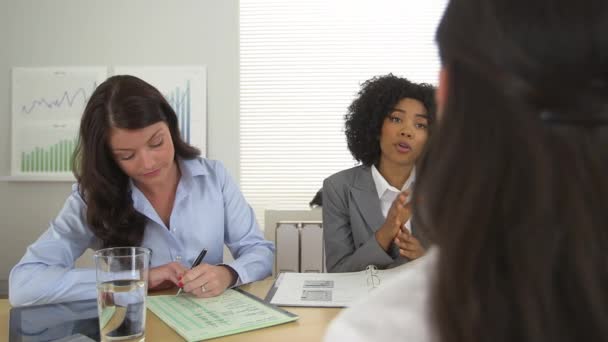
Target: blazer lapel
<point>366,199</point>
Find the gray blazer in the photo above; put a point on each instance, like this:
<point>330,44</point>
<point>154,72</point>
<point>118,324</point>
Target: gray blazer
<point>351,216</point>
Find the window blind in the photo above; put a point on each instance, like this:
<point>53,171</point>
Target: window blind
<point>301,65</point>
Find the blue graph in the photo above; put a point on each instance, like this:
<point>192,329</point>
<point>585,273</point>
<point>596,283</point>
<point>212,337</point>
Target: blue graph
<point>66,99</point>
<point>180,102</point>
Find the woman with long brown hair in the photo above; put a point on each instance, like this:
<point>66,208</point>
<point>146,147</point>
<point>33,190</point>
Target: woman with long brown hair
<point>514,184</point>
<point>140,184</point>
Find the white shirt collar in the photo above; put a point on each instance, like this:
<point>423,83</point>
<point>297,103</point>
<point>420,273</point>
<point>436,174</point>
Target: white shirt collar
<point>382,185</point>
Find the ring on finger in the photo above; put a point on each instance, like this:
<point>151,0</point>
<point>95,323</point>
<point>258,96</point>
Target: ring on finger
<point>203,289</point>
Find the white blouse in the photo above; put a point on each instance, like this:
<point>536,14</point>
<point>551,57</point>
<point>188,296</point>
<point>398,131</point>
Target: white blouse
<point>397,310</point>
<point>387,193</point>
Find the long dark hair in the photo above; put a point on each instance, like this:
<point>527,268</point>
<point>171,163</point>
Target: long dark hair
<point>124,102</point>
<point>515,181</point>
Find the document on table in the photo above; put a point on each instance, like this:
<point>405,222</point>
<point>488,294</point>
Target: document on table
<point>328,289</point>
<point>232,312</point>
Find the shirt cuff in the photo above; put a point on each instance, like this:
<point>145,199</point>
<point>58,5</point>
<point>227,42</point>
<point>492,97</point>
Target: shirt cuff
<point>237,279</point>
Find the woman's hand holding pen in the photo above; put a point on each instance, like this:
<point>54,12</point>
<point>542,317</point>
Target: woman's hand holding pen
<point>208,280</point>
<point>396,217</point>
<point>165,276</point>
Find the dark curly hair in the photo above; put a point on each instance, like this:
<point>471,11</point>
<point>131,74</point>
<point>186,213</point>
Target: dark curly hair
<point>377,98</point>
<point>124,102</point>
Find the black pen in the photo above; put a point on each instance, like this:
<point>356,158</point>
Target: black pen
<point>196,262</point>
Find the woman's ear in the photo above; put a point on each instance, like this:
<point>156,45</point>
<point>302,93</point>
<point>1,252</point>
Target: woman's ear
<point>442,92</point>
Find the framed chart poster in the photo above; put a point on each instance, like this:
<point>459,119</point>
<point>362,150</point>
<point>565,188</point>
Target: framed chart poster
<point>47,104</point>
<point>185,88</point>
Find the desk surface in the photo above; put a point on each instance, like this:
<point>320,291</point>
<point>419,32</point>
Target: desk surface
<point>309,327</point>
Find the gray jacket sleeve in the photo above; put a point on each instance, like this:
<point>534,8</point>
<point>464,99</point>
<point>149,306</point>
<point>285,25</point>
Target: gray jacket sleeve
<point>341,253</point>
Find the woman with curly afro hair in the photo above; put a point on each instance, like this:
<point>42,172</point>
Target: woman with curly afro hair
<point>366,214</point>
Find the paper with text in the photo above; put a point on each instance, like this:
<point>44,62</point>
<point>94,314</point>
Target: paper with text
<point>232,312</point>
<point>327,289</point>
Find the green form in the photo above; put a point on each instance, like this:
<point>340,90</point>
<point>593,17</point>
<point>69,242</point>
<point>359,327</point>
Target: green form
<point>232,312</point>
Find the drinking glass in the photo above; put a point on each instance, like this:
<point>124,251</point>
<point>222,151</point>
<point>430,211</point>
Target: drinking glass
<point>122,286</point>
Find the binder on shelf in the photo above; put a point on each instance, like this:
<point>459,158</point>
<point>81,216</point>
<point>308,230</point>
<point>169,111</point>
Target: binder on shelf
<point>288,248</point>
<point>311,243</point>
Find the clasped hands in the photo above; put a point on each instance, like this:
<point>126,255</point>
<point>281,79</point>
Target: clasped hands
<point>394,231</point>
<point>202,281</point>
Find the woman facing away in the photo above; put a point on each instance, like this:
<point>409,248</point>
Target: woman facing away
<point>514,184</point>
<point>366,216</point>
<point>140,184</point>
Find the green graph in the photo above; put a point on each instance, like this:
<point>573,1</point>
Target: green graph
<point>54,158</point>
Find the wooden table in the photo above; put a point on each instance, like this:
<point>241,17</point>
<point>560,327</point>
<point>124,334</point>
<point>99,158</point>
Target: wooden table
<point>309,327</point>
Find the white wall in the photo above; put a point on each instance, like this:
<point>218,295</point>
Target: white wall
<point>111,32</point>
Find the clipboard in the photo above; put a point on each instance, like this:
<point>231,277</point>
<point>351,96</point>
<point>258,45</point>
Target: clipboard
<point>235,311</point>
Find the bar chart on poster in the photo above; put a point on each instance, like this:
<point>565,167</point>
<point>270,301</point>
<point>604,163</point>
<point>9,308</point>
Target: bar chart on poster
<point>47,104</point>
<point>185,88</point>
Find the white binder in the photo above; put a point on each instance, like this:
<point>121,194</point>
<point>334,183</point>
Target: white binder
<point>311,242</point>
<point>288,248</point>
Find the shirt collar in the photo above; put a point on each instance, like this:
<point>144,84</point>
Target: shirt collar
<point>382,185</point>
<point>189,168</point>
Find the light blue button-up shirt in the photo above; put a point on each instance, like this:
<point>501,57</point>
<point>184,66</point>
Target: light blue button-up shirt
<point>209,211</point>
